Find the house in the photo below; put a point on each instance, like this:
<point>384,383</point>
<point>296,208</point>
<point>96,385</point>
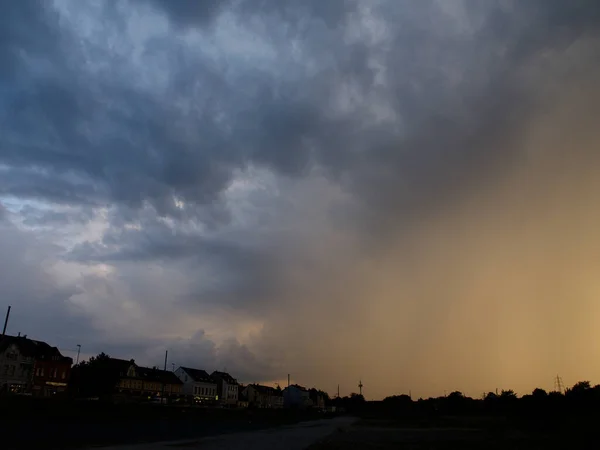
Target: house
<point>198,384</point>
<point>17,358</point>
<point>31,366</point>
<point>242,399</point>
<point>146,382</point>
<point>263,396</point>
<point>227,388</point>
<point>317,398</point>
<point>295,396</point>
<point>51,370</point>
<point>158,382</point>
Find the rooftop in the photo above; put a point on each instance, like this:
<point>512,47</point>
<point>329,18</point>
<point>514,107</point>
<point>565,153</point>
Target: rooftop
<point>198,375</point>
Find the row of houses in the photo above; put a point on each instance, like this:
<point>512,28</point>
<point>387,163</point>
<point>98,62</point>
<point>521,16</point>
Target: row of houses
<point>28,366</point>
<point>130,381</point>
<point>34,367</point>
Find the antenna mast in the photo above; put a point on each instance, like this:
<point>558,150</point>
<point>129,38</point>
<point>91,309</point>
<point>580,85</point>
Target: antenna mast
<point>559,385</point>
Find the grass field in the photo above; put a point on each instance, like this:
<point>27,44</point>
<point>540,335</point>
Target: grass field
<point>464,433</point>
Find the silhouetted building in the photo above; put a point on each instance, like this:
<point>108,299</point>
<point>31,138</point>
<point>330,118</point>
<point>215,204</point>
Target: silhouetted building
<point>296,396</point>
<point>146,382</point>
<point>263,396</point>
<point>227,388</point>
<point>317,398</point>
<point>198,384</point>
<point>242,399</point>
<point>31,366</point>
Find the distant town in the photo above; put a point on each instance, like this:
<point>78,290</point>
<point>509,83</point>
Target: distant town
<point>35,368</point>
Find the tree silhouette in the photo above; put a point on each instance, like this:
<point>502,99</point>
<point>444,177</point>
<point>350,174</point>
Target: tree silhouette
<point>508,394</point>
<point>539,393</point>
<point>581,387</point>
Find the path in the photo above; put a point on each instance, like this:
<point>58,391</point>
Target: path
<point>291,437</point>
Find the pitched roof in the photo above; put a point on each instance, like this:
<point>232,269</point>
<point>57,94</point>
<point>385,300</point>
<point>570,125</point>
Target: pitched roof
<point>224,376</point>
<point>32,348</point>
<point>198,375</point>
<point>118,365</point>
<point>297,386</point>
<point>157,375</point>
<point>266,390</point>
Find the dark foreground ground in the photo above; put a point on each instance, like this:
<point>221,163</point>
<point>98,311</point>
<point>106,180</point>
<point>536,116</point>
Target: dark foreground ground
<point>30,423</point>
<point>465,433</point>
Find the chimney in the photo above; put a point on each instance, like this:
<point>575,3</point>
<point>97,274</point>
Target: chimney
<point>19,334</point>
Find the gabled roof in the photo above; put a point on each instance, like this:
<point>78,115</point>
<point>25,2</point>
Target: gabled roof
<point>117,366</point>
<point>33,349</point>
<point>265,390</point>
<point>297,386</point>
<point>157,375</point>
<point>198,375</point>
<point>224,376</point>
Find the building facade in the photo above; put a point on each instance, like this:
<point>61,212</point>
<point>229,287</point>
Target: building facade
<point>17,359</point>
<point>263,396</point>
<point>197,384</point>
<point>51,371</point>
<point>295,396</point>
<point>31,366</point>
<point>227,388</point>
<point>148,383</point>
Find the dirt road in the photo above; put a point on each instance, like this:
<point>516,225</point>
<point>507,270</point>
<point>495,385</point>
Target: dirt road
<point>292,437</point>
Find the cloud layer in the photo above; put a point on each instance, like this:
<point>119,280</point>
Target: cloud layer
<point>394,190</point>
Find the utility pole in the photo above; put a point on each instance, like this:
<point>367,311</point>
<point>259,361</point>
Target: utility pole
<point>338,394</point>
<point>78,352</point>
<point>163,383</point>
<point>360,386</point>
<point>173,364</point>
<point>6,320</point>
<point>288,380</point>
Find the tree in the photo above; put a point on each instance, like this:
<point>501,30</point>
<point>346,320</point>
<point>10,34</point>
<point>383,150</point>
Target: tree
<point>490,397</point>
<point>581,387</point>
<point>539,393</point>
<point>508,394</point>
<point>95,378</point>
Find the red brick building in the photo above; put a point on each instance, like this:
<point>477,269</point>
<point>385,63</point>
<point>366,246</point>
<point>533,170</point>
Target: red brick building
<point>51,371</point>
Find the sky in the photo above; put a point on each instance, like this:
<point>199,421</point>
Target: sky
<point>403,192</point>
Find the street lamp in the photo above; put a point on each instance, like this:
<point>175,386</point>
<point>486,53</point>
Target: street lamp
<point>78,352</point>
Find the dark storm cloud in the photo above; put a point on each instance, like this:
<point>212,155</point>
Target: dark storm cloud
<point>41,307</point>
<point>204,12</point>
<point>190,12</point>
<point>135,151</point>
<point>49,218</point>
<point>79,127</point>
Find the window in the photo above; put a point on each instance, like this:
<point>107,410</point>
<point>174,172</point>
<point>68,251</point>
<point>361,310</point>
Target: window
<point>63,375</point>
<point>12,356</point>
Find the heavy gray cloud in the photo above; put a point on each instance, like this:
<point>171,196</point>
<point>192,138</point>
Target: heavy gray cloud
<point>275,173</point>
